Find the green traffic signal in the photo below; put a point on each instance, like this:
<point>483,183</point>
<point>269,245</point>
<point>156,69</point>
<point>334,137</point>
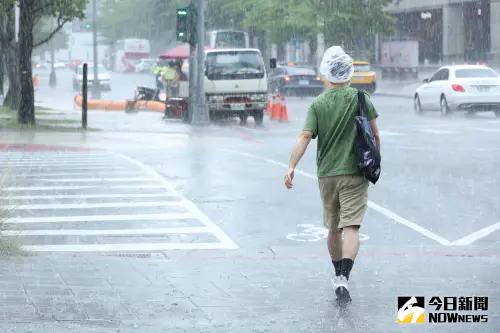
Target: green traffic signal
<point>186,19</point>
<point>182,25</point>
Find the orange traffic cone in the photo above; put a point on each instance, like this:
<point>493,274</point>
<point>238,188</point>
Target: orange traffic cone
<point>276,109</point>
<point>269,106</point>
<point>283,115</point>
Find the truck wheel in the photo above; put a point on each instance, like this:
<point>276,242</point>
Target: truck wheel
<point>258,117</point>
<point>243,119</point>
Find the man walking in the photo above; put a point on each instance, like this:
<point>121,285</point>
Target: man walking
<point>344,191</point>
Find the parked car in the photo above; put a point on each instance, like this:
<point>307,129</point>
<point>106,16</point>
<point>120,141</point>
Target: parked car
<point>145,65</point>
<point>295,80</point>
<point>103,76</point>
<point>57,65</point>
<point>470,88</point>
<point>364,78</point>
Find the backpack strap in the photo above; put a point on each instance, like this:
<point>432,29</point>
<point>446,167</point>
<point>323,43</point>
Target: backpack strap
<point>361,103</point>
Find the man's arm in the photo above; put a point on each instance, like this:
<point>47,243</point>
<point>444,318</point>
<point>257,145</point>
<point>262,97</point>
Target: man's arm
<point>376,135</point>
<point>297,153</point>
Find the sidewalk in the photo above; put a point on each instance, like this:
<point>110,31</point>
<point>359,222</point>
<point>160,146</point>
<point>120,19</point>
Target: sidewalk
<point>219,292</point>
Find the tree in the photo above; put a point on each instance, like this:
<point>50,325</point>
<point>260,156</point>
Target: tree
<point>348,22</point>
<point>31,12</point>
<point>345,22</point>
<point>8,48</point>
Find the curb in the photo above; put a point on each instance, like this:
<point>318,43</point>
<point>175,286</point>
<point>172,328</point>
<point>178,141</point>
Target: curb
<point>383,94</point>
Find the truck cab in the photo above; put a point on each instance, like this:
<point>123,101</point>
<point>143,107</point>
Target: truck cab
<point>236,84</point>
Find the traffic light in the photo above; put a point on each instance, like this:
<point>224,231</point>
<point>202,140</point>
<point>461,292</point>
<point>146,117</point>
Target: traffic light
<point>186,23</point>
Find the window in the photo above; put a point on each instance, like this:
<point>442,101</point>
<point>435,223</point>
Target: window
<point>475,73</point>
<point>441,75</point>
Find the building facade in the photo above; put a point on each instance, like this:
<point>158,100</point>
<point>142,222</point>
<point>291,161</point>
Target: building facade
<point>451,31</point>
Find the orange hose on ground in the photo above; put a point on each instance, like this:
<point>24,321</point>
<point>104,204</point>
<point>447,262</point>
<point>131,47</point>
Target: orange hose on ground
<point>107,105</point>
<point>155,106</point>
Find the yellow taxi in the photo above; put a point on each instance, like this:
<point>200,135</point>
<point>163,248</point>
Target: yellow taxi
<point>364,78</point>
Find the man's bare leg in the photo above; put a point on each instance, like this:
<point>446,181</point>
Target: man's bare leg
<point>334,243</point>
<point>350,245</point>
<point>350,248</point>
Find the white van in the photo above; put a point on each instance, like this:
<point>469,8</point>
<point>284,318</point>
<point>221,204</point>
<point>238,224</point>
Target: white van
<point>223,39</point>
<point>236,84</point>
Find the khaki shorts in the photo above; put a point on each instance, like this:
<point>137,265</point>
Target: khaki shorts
<point>344,200</point>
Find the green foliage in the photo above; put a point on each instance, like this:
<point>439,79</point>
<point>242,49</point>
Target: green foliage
<point>346,21</point>
<point>342,21</point>
<point>56,14</point>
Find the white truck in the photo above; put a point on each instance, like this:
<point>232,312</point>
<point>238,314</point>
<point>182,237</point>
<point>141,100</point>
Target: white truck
<point>236,84</point>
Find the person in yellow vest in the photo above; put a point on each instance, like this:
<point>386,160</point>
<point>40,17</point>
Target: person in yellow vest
<point>168,74</point>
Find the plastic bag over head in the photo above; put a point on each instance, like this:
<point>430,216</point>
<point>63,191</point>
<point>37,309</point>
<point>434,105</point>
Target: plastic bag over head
<point>336,66</point>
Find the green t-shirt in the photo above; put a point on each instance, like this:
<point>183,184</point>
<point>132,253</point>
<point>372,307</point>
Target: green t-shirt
<point>332,114</point>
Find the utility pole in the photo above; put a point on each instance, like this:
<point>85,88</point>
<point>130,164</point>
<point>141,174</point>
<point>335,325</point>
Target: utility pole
<point>96,91</point>
<point>52,77</point>
<point>200,111</point>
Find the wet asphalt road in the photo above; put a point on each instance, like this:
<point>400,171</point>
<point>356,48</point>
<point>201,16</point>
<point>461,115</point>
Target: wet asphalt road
<point>258,261</point>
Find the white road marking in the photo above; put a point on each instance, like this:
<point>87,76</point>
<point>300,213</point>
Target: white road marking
<point>47,167</point>
<point>384,211</point>
<point>73,174</point>
<point>37,168</point>
<point>91,196</point>
<point>95,179</point>
<point>126,247</point>
<point>436,131</point>
<point>102,218</point>
<point>489,130</point>
<point>92,205</point>
<point>469,239</point>
<point>412,225</point>
<point>52,160</point>
<point>224,239</point>
<point>313,233</point>
<point>69,187</point>
<point>107,232</point>
<point>51,164</point>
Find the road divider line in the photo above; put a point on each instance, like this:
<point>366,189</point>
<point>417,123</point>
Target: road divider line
<point>125,247</point>
<point>102,218</point>
<point>89,196</point>
<point>481,233</point>
<point>412,225</point>
<point>107,232</point>
<point>92,205</point>
<point>384,211</point>
<point>225,241</point>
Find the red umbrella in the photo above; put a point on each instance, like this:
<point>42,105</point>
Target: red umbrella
<point>178,52</point>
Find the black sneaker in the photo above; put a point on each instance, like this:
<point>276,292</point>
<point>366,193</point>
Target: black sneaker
<point>342,290</point>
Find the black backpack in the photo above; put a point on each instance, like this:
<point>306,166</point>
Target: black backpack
<point>366,150</point>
